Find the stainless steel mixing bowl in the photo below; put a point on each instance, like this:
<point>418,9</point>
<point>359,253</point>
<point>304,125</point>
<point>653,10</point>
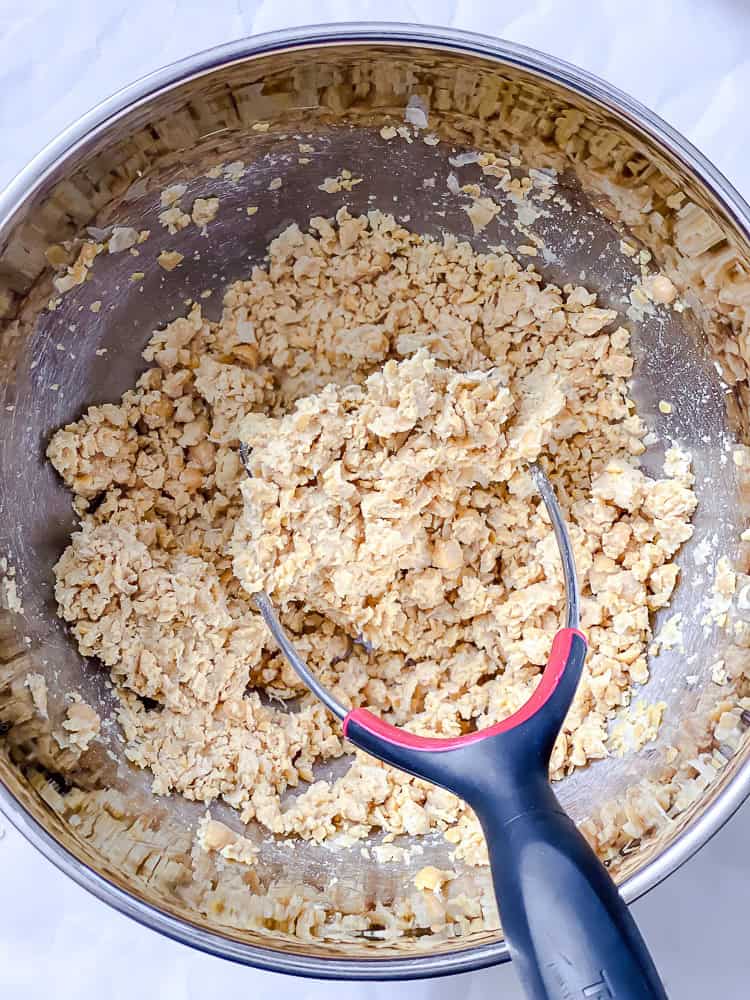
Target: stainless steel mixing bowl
<point>620,170</point>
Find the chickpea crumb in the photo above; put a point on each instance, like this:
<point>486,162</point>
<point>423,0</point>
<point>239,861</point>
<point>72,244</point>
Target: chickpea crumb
<point>204,211</point>
<point>660,289</point>
<point>431,879</point>
<point>169,259</point>
<point>343,182</point>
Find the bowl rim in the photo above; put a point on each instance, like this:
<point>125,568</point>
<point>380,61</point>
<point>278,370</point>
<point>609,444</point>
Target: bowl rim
<point>94,123</point>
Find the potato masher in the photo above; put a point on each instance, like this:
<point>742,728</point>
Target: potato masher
<point>569,932</point>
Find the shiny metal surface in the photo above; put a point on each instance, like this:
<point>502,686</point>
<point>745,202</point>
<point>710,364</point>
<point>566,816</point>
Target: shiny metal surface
<point>335,87</point>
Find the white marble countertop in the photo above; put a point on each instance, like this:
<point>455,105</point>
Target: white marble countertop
<point>687,59</point>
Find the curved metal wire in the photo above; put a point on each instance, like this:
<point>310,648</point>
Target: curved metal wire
<point>547,493</point>
<point>266,608</point>
<point>572,603</point>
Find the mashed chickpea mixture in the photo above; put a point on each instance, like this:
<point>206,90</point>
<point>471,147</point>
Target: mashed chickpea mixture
<point>393,390</point>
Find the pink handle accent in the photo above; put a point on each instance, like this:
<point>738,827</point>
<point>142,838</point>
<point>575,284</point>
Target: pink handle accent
<point>553,672</point>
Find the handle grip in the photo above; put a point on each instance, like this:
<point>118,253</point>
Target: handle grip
<point>569,932</point>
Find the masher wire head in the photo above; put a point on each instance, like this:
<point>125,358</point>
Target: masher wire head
<point>572,602</point>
